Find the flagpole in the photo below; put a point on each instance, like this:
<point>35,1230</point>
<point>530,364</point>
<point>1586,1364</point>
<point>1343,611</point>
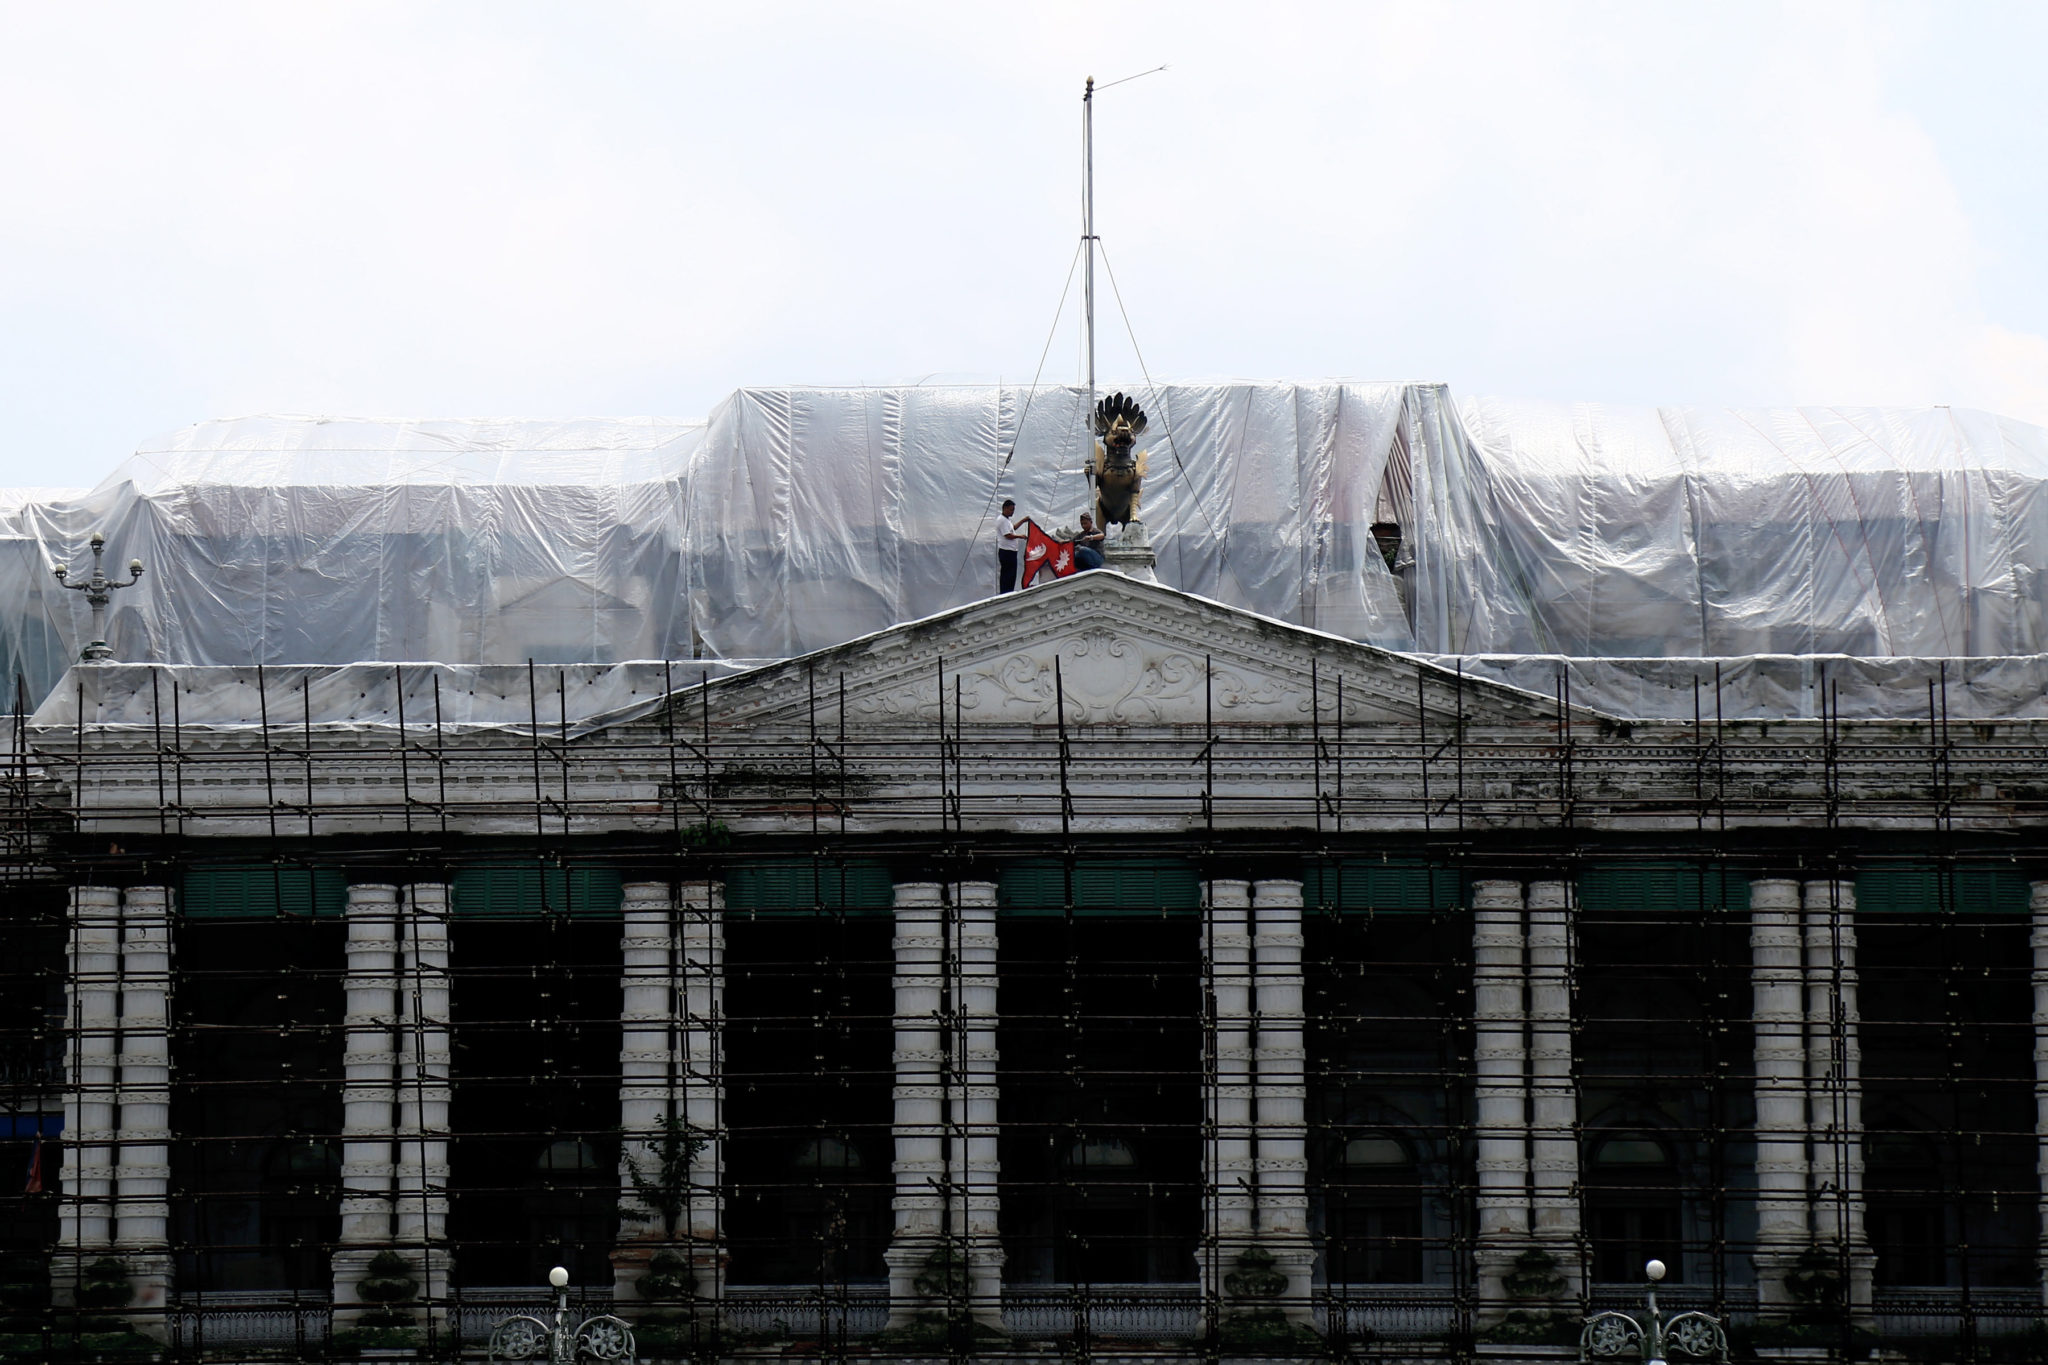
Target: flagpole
<point>1088,246</point>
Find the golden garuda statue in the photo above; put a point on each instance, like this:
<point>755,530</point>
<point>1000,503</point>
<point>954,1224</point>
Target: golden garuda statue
<point>1117,473</point>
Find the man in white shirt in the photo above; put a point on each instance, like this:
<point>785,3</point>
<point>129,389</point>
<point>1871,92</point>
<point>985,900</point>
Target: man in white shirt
<point>1009,541</point>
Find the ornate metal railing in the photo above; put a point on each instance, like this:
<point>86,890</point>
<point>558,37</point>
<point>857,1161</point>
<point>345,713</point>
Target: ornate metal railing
<point>1139,1312</point>
<point>1403,1312</point>
<point>1128,1312</point>
<point>208,1326</point>
<point>471,1320</point>
<point>1734,1305</point>
<point>805,1313</point>
<point>1942,1312</point>
<point>260,1320</point>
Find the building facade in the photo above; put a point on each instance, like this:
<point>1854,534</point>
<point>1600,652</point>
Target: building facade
<point>1096,969</point>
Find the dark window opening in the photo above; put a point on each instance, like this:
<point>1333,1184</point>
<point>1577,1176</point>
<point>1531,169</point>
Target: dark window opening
<point>1665,1056</point>
<point>1389,1045</point>
<point>256,1103</point>
<point>809,1078</point>
<point>32,968</point>
<point>533,1163</point>
<point>1101,1101</point>
<point>1948,1083</point>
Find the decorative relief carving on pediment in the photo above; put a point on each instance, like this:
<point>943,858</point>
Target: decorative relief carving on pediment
<point>1126,657</point>
<point>1108,677</point>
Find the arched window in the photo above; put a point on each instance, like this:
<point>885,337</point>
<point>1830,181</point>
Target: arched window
<point>1633,1206</point>
<point>1372,1210</point>
<point>566,1157</point>
<point>1102,1211</point>
<point>1105,1154</point>
<point>827,1154</point>
<point>563,1219</point>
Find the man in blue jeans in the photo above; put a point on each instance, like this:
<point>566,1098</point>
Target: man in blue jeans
<point>1087,545</point>
<point>1009,540</point>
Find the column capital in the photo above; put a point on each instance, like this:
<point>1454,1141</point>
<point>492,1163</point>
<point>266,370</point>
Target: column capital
<point>1277,892</point>
<point>1496,895</point>
<point>700,895</point>
<point>1227,892</point>
<point>1774,893</point>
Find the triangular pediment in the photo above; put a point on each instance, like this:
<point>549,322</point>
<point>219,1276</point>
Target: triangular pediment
<point>1117,652</point>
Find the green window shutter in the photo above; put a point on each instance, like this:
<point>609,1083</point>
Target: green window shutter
<point>1103,888</point>
<point>263,890</point>
<point>1661,886</point>
<point>791,886</point>
<point>530,891</point>
<point>1382,886</point>
<point>1926,889</point>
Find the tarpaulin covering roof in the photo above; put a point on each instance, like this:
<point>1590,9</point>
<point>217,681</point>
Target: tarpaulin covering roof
<point>797,518</point>
<point>312,540</point>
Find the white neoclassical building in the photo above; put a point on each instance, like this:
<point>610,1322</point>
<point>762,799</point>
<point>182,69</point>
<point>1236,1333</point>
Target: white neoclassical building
<point>1096,964</point>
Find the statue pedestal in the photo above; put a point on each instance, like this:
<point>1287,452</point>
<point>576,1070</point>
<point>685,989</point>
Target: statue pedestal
<point>1131,554</point>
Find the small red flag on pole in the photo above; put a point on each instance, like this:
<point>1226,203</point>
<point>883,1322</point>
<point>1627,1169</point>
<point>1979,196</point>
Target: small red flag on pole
<point>35,1165</point>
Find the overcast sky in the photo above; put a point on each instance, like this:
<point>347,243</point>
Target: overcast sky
<point>550,209</point>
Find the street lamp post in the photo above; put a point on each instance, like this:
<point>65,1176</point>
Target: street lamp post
<point>1688,1336</point>
<point>525,1337</point>
<point>98,590</point>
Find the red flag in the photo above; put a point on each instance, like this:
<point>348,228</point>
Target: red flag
<point>1041,551</point>
<point>35,1165</point>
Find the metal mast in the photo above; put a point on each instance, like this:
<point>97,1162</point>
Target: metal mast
<point>1088,247</point>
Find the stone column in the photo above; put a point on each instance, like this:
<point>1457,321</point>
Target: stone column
<point>142,1210</point>
<point>975,903</point>
<point>649,1082</point>
<point>396,1065</point>
<point>1834,1080</point>
<point>86,1229</point>
<point>1229,1175</point>
<point>1778,1017</point>
<point>369,1090</point>
<point>425,1064</point>
<point>1500,1057</point>
<point>1257,1260</point>
<point>1554,1103</point>
<point>2038,903</point>
<point>700,908</point>
<point>945,1244</point>
<point>1280,1092</point>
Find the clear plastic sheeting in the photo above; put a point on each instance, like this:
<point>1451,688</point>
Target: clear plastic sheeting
<point>309,540</point>
<point>801,518</point>
<point>562,699</point>
<point>1778,686</point>
<point>1609,532</point>
<point>818,515</point>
